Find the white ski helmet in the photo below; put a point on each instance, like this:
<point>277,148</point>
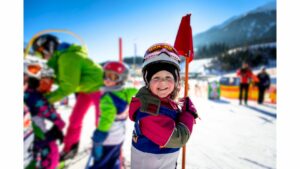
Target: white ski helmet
<point>161,53</point>
<point>32,67</point>
<point>37,68</point>
<point>47,72</point>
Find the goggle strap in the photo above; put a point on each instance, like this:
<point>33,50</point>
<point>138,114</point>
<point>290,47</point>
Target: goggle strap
<point>145,77</point>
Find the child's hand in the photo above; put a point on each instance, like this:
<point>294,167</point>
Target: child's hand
<point>97,151</point>
<point>98,139</point>
<point>188,106</point>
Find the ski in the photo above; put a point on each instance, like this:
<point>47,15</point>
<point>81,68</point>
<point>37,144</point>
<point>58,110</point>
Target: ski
<point>70,162</point>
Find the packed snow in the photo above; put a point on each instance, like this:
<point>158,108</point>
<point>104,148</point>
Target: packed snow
<point>228,136</point>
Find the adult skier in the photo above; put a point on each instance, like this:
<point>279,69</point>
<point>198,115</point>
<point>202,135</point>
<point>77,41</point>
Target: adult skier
<point>263,84</point>
<point>75,72</point>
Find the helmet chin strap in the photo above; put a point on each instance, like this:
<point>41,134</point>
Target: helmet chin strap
<point>145,78</point>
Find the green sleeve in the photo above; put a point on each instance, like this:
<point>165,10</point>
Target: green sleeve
<point>131,92</point>
<point>179,137</point>
<point>108,113</point>
<point>69,69</point>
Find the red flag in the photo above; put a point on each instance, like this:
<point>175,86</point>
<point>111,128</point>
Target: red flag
<point>184,45</point>
<point>184,39</point>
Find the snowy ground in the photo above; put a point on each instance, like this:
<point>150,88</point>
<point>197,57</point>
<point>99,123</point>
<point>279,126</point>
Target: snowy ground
<point>228,136</point>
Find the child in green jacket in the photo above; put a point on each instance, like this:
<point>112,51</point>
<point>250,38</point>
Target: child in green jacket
<point>110,133</point>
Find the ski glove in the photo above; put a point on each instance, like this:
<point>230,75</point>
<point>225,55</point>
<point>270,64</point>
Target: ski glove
<point>55,133</point>
<point>97,151</point>
<point>98,139</point>
<point>188,106</point>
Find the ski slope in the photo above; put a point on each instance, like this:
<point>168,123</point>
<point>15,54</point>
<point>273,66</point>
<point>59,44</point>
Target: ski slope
<point>228,136</point>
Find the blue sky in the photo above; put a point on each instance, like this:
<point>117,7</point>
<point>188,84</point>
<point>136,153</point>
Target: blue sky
<point>101,23</point>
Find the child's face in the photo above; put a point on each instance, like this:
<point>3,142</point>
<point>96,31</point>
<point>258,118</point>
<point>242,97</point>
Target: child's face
<point>110,79</point>
<point>162,84</point>
<point>244,65</point>
<point>45,85</point>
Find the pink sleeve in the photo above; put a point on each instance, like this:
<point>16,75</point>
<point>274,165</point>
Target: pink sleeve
<point>134,105</point>
<point>157,128</point>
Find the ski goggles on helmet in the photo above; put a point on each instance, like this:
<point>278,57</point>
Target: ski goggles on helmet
<point>157,49</point>
<point>112,76</point>
<point>34,69</point>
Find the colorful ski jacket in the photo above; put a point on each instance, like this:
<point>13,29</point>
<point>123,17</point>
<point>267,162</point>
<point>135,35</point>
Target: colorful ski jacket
<point>40,110</point>
<point>245,75</point>
<point>114,111</point>
<point>74,71</point>
<point>160,129</point>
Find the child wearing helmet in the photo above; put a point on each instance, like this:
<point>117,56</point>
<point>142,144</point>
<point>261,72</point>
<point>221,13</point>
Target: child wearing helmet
<point>109,135</point>
<point>38,80</point>
<point>161,128</point>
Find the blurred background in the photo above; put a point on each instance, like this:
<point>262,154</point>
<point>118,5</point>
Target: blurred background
<point>225,34</point>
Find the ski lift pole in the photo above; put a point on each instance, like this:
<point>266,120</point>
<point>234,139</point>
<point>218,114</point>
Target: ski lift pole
<point>186,90</point>
<point>120,50</point>
<point>51,31</point>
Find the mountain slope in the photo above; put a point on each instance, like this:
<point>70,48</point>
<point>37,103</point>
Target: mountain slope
<point>256,26</point>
